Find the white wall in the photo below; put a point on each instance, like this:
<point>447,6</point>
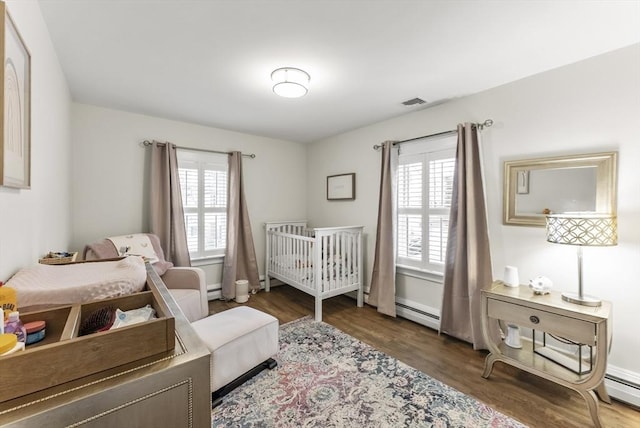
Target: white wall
<point>111,168</point>
<point>590,106</point>
<point>37,220</point>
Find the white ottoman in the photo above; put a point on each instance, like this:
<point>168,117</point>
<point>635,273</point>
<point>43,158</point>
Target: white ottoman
<point>242,341</point>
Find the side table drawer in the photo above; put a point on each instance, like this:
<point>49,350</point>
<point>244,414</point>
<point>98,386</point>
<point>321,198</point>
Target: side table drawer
<point>570,328</point>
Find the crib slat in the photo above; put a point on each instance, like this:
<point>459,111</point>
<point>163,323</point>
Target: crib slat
<point>322,248</point>
<point>336,263</point>
<point>351,259</point>
<point>343,259</point>
<point>340,267</point>
<point>353,262</point>
<point>332,261</point>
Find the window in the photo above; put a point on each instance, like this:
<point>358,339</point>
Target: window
<point>425,187</point>
<point>203,184</point>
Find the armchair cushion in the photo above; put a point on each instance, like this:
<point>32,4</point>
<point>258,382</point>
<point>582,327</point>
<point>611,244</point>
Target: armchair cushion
<point>188,287</point>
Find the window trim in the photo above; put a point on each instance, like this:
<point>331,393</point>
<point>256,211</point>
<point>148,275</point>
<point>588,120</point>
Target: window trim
<point>415,272</point>
<point>208,261</point>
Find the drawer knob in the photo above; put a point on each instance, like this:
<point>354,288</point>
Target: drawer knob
<point>534,319</point>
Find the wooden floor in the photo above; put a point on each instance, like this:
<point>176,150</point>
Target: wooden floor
<point>525,397</point>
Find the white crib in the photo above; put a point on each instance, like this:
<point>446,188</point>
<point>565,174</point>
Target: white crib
<point>323,262</point>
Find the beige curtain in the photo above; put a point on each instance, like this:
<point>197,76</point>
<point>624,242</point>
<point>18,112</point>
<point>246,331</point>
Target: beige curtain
<point>240,258</point>
<point>166,212</point>
<point>383,279</point>
<point>468,260</point>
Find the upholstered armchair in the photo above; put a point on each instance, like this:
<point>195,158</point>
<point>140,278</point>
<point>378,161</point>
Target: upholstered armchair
<point>188,287</point>
<point>186,284</point>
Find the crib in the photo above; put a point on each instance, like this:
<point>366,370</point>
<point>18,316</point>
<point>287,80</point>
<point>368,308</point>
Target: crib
<point>323,262</point>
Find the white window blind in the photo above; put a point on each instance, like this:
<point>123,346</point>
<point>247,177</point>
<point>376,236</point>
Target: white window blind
<point>203,183</point>
<point>425,187</point>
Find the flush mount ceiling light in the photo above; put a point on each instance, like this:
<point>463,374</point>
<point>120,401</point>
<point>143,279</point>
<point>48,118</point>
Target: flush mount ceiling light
<point>290,82</point>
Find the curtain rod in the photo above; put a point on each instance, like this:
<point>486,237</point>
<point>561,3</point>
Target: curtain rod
<point>247,155</point>
<point>486,124</point>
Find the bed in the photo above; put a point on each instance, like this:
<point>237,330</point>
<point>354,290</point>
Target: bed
<point>323,262</point>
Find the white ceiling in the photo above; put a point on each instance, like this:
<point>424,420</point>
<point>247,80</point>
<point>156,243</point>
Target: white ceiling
<point>209,62</point>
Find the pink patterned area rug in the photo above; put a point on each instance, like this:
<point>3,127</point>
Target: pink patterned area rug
<point>326,378</point>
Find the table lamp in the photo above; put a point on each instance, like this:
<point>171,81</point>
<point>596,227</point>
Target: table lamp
<point>582,229</point>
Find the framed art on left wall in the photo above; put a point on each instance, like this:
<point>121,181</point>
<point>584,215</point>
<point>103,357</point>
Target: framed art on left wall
<point>15,135</point>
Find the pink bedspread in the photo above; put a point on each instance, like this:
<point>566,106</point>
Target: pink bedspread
<point>78,283</point>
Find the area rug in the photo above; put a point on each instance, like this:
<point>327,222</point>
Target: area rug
<point>326,378</point>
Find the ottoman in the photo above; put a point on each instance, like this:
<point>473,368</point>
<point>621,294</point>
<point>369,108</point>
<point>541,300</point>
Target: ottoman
<point>242,341</point>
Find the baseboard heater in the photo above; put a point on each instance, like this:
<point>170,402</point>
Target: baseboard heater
<point>623,390</point>
<point>416,312</point>
<point>421,314</point>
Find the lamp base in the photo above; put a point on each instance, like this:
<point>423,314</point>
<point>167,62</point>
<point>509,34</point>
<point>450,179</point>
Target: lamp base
<point>581,300</point>
<point>513,336</point>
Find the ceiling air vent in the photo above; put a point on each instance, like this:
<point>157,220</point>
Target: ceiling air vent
<point>414,102</point>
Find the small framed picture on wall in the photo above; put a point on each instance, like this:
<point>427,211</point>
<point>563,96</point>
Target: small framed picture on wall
<point>341,187</point>
<point>522,187</point>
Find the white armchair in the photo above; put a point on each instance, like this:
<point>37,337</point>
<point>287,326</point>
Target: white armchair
<point>188,287</point>
<point>186,284</point>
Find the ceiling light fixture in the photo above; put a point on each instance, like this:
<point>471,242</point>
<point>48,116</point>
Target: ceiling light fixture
<point>290,82</point>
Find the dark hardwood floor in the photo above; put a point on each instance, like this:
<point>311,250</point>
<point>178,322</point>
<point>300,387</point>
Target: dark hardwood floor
<point>525,397</point>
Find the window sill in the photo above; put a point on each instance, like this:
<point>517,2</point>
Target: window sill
<point>427,275</point>
<point>210,260</point>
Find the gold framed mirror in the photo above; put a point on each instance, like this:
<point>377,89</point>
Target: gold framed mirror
<point>536,187</point>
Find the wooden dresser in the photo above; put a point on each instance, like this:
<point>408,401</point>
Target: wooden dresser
<point>168,389</point>
<point>549,314</point>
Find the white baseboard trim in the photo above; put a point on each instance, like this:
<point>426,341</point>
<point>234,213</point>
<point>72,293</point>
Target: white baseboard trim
<point>623,385</point>
<point>417,312</point>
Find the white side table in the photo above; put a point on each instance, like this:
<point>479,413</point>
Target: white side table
<point>552,315</point>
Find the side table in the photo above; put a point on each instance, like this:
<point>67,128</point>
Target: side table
<point>549,314</point>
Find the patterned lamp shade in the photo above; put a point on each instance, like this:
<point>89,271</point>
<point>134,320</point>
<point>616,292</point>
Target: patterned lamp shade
<point>586,229</point>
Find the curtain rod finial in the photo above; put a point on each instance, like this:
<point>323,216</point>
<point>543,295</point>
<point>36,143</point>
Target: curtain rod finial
<point>486,124</point>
